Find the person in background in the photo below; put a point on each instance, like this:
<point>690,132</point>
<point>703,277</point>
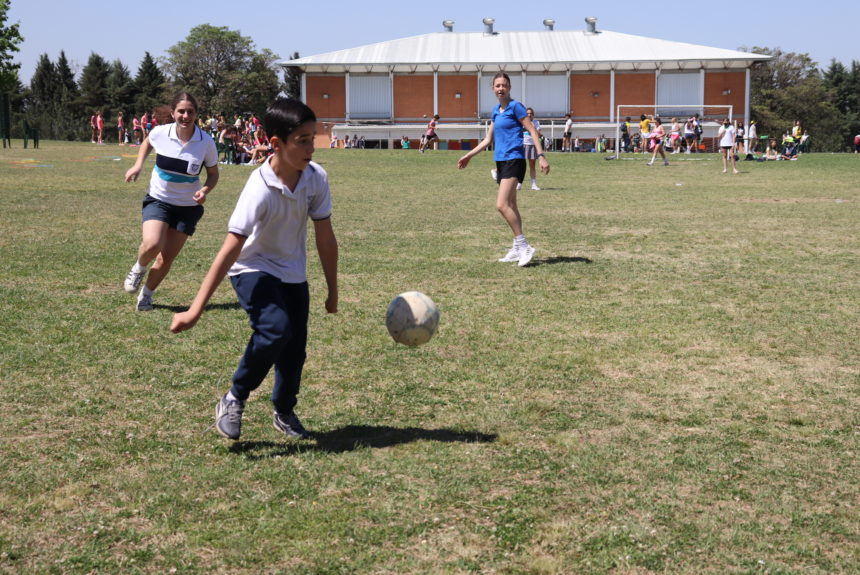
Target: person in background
<point>658,133</point>
<point>752,137</point>
<point>675,135</point>
<point>772,151</point>
<point>430,134</point>
<point>625,135</point>
<point>100,127</point>
<point>120,128</point>
<point>739,138</point>
<point>796,131</point>
<point>689,134</point>
<point>727,145</point>
<point>94,129</point>
<point>530,149</point>
<point>698,129</point>
<point>568,129</point>
<point>136,129</point>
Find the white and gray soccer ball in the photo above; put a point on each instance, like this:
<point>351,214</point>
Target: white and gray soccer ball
<point>412,318</point>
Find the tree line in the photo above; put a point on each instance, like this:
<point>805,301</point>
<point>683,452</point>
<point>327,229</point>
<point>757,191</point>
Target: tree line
<point>220,67</point>
<point>229,76</point>
<point>792,87</point>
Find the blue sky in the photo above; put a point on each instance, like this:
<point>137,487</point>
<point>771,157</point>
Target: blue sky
<point>121,29</point>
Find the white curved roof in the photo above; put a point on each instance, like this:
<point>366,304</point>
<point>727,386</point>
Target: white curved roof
<point>536,51</point>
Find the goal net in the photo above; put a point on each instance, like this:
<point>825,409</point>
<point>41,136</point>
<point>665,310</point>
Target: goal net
<point>710,117</point>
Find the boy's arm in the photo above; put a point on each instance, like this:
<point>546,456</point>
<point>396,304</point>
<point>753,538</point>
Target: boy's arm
<point>328,252</point>
<point>225,258</point>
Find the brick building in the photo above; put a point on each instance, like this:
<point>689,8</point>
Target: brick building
<point>384,90</point>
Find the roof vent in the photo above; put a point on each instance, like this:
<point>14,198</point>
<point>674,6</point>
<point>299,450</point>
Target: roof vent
<point>488,25</point>
<point>549,23</point>
<point>449,25</point>
<point>591,21</point>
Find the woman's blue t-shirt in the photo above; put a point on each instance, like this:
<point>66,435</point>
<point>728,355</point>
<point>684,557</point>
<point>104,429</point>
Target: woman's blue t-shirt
<point>508,132</point>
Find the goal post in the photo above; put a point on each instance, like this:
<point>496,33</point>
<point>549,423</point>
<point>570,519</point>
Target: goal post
<point>709,114</point>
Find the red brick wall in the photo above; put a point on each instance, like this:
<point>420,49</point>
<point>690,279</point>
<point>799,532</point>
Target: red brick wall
<point>413,97</point>
<point>635,88</point>
<point>718,82</point>
<point>331,108</point>
<point>452,108</point>
<point>585,105</point>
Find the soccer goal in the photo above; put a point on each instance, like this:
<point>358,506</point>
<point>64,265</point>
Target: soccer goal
<point>710,116</point>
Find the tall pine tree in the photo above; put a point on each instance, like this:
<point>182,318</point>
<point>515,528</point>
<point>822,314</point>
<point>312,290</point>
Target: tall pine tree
<point>149,86</point>
<point>93,83</point>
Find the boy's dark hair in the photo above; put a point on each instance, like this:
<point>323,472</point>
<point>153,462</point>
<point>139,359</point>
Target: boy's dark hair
<point>285,115</point>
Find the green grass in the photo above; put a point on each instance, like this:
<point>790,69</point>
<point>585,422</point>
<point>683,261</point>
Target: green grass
<point>672,387</point>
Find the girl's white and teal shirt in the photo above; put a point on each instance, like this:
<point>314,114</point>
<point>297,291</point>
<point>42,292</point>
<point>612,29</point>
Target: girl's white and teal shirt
<point>176,176</point>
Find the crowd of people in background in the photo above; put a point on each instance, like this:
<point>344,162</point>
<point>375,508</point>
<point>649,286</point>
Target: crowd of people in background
<point>243,140</point>
<point>141,127</point>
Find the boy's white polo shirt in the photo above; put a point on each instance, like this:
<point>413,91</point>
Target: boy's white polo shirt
<point>274,219</point>
<point>176,175</point>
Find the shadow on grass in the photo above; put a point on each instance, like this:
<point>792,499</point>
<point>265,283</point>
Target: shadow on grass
<point>179,308</point>
<point>560,260</point>
<point>354,437</point>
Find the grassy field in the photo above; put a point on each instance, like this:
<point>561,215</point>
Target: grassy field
<point>671,387</point>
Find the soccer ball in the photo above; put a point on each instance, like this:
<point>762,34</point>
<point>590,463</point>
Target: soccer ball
<point>412,318</point>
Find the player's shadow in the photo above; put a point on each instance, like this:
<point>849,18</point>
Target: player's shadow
<point>354,437</point>
<point>180,308</point>
<point>560,260</point>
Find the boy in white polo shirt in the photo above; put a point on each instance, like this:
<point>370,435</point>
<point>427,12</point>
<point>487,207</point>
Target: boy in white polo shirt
<point>265,256</point>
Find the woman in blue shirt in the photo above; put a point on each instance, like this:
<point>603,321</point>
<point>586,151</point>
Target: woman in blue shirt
<point>506,134</point>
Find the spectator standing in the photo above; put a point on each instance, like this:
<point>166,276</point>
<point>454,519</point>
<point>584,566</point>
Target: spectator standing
<point>100,127</point>
<point>857,144</point>
<point>645,130</point>
<point>530,149</point>
<point>698,129</point>
<point>625,135</point>
<point>135,122</point>
<point>689,134</point>
<point>145,124</point>
<point>568,129</point>
<point>752,137</point>
<point>739,138</point>
<point>675,135</point>
<point>727,145</point>
<point>120,128</point>
<point>94,129</point>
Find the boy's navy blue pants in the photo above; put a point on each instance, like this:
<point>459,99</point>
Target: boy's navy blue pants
<point>278,313</point>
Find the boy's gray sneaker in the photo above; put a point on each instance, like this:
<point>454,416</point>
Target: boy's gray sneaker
<point>290,426</point>
<point>228,417</point>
